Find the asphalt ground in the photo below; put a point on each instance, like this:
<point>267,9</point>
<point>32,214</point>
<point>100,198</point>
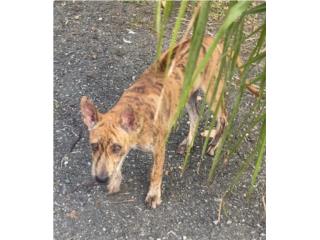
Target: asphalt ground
<point>99,49</point>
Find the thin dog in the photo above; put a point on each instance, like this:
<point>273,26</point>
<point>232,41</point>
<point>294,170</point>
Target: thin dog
<point>140,119</point>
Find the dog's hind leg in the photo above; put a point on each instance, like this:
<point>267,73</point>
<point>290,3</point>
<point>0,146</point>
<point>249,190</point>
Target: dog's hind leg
<point>193,117</point>
<point>221,124</point>
<point>221,111</point>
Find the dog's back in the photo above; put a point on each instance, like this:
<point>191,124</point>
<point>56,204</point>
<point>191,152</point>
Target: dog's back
<point>144,94</point>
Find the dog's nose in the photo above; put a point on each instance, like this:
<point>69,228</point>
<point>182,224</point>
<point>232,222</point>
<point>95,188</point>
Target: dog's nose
<point>101,179</point>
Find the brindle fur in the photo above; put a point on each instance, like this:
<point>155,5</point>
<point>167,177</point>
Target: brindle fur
<point>134,122</point>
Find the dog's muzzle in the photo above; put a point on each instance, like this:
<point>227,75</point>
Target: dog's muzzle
<point>101,179</point>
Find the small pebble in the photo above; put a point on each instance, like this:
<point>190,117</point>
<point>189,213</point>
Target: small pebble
<point>130,31</point>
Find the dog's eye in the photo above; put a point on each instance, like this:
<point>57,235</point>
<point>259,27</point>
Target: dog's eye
<point>94,147</point>
<point>116,148</point>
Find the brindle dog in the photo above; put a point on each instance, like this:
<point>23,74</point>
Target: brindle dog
<point>140,119</point>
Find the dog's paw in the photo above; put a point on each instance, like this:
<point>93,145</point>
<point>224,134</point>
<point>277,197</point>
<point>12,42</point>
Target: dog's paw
<point>153,200</point>
<point>182,148</point>
<point>114,184</point>
<point>113,188</point>
<point>211,150</point>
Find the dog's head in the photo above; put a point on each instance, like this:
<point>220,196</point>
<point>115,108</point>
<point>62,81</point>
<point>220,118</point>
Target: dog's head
<point>109,138</point>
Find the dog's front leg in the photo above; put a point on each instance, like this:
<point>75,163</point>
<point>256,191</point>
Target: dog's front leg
<point>114,183</point>
<point>115,179</point>
<point>153,198</point>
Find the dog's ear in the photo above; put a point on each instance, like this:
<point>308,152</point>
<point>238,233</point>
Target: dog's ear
<point>89,112</point>
<point>127,119</point>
